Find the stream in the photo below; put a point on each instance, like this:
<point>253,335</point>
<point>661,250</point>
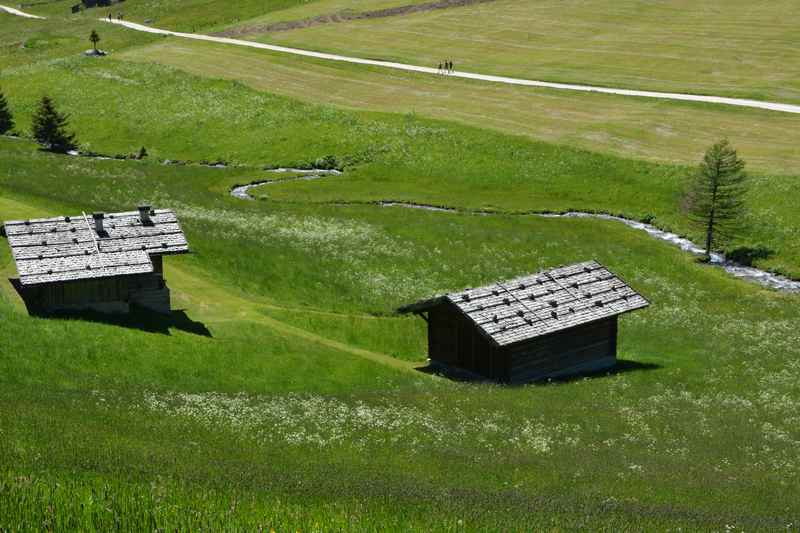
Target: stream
<point>747,273</point>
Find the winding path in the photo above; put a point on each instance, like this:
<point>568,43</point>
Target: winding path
<point>723,100</point>
<point>740,102</point>
<point>751,274</point>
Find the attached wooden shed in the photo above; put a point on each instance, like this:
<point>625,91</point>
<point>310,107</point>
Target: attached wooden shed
<point>551,324</point>
<point>105,262</point>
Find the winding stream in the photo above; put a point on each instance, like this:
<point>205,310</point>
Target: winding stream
<point>751,274</point>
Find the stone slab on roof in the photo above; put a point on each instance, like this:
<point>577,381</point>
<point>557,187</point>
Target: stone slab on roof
<point>49,250</point>
<point>539,304</point>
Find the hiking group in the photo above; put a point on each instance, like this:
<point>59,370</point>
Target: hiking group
<point>446,67</point>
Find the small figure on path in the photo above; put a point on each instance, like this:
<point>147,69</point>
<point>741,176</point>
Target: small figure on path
<point>440,68</point>
<point>452,68</point>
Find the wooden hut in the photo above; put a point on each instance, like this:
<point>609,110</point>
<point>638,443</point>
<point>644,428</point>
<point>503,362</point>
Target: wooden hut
<point>551,324</point>
<point>105,262</point>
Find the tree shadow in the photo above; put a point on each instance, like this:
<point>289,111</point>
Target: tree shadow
<point>745,255</point>
<point>461,375</point>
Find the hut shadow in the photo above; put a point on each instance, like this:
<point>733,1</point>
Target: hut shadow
<point>460,375</point>
<point>137,319</point>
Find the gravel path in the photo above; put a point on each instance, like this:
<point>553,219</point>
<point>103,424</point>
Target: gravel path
<point>19,13</point>
<point>738,102</point>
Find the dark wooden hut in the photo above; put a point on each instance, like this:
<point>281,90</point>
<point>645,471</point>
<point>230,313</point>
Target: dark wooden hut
<point>105,262</point>
<point>551,324</point>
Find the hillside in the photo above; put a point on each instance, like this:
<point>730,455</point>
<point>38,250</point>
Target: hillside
<point>285,392</point>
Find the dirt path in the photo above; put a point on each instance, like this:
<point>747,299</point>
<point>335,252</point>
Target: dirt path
<point>722,100</point>
<point>346,16</point>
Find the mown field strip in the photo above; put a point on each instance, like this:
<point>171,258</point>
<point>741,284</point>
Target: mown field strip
<point>739,102</point>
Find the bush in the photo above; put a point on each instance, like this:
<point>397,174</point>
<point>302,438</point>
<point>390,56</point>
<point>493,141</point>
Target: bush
<point>329,162</point>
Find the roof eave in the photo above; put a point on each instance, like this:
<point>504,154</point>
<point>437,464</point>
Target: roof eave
<point>422,305</point>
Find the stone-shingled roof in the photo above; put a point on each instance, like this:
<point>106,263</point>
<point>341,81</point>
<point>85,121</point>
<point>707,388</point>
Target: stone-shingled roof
<point>539,304</point>
<point>61,249</point>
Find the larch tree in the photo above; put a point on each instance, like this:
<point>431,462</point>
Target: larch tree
<point>714,200</point>
<point>50,128</point>
<point>6,119</point>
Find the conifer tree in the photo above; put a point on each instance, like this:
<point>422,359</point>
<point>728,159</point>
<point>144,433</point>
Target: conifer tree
<point>715,198</point>
<point>6,119</point>
<point>94,38</point>
<point>50,128</point>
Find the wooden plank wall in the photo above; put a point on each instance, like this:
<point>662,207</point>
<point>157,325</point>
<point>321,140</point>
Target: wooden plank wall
<point>455,341</point>
<point>580,348</point>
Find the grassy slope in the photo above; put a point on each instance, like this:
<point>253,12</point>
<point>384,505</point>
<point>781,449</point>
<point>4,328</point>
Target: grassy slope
<point>638,128</point>
<point>646,427</point>
<point>115,426</point>
<point>180,15</point>
<point>391,157</point>
<point>738,48</point>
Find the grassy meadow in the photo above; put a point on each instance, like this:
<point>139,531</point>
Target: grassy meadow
<point>282,403</point>
<point>285,393</point>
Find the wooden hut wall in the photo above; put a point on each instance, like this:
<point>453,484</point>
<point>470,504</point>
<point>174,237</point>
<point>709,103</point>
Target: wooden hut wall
<point>455,341</point>
<point>588,347</point>
<point>80,292</point>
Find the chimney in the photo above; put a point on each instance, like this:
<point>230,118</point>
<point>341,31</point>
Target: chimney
<point>98,222</point>
<point>144,214</point>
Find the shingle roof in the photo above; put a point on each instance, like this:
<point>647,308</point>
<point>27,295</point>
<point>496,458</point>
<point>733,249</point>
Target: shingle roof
<point>58,249</point>
<point>531,306</point>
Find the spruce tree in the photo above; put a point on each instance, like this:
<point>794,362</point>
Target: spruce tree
<point>50,128</point>
<point>715,198</point>
<point>6,119</point>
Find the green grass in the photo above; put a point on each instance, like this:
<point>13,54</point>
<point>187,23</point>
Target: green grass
<point>179,15</point>
<point>266,413</point>
<point>304,408</point>
<point>389,156</point>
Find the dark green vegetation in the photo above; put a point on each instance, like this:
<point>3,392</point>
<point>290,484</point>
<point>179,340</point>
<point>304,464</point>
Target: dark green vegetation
<point>6,117</point>
<point>49,128</point>
<point>285,395</point>
<point>715,199</point>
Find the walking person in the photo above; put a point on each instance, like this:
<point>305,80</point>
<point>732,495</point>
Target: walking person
<point>439,70</point>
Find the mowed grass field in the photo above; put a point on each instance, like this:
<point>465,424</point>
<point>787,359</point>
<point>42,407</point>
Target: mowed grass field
<point>286,393</point>
<point>738,48</point>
